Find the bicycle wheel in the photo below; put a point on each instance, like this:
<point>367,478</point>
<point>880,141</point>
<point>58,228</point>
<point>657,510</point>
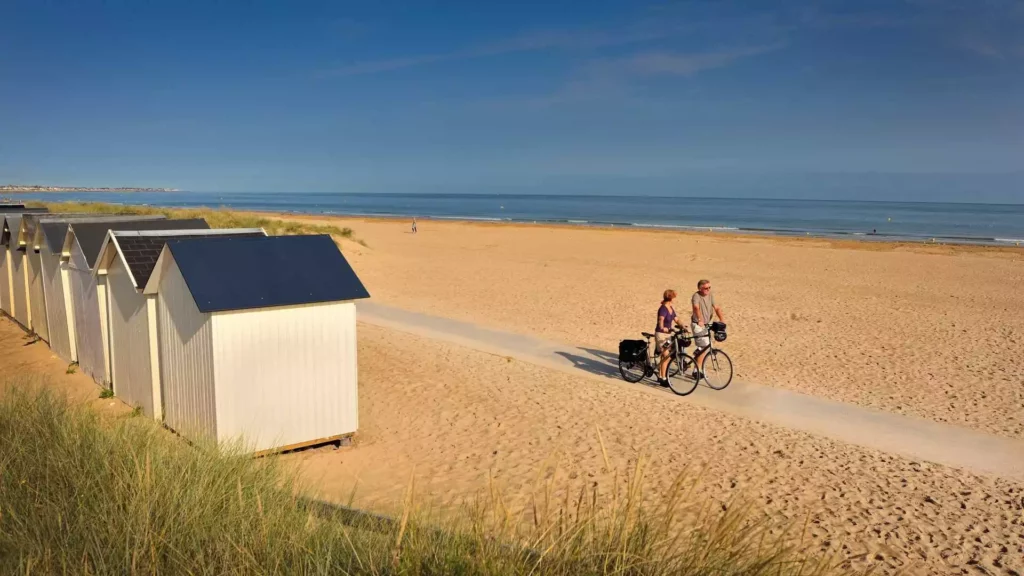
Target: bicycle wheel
<point>632,371</point>
<point>717,369</point>
<point>679,381</point>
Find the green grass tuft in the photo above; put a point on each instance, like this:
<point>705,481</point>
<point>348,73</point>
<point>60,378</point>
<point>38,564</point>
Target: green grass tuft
<point>123,496</point>
<point>106,393</point>
<point>220,218</point>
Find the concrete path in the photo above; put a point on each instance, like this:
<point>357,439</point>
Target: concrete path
<point>904,435</point>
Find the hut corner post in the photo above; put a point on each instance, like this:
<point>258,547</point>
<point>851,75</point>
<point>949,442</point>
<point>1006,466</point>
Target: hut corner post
<point>28,297</point>
<point>103,297</point>
<point>154,358</point>
<point>65,278</point>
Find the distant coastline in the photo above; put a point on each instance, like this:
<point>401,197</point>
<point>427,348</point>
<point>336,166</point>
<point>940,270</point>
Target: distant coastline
<point>35,188</point>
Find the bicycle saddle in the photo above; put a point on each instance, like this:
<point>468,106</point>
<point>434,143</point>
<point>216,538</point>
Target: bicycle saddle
<point>647,335</point>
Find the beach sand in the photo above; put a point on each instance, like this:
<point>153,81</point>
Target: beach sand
<point>453,419</point>
<point>930,331</point>
<point>926,330</point>
<point>456,421</point>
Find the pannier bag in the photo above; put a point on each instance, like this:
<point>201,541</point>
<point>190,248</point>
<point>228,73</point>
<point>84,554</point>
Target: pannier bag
<point>719,329</point>
<point>632,350</point>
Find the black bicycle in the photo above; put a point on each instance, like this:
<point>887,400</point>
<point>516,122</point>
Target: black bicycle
<point>638,359</point>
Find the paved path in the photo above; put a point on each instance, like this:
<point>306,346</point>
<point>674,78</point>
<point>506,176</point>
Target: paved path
<point>905,435</point>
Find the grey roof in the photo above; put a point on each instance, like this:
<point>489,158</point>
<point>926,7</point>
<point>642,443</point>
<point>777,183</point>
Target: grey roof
<point>22,210</point>
<point>53,235</point>
<point>55,226</point>
<point>12,222</point>
<point>141,251</point>
<point>4,207</point>
<point>90,235</point>
<point>245,273</point>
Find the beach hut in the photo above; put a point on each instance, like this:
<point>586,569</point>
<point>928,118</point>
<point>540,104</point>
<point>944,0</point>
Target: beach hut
<point>54,291</point>
<point>17,277</point>
<point>257,340</point>
<point>6,272</point>
<point>30,238</point>
<point>127,259</point>
<point>81,248</point>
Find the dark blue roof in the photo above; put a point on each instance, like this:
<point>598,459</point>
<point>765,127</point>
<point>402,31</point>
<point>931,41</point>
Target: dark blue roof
<point>241,273</point>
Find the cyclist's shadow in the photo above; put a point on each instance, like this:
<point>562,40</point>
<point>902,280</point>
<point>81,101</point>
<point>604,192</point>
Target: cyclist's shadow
<point>600,363</point>
<point>596,363</point>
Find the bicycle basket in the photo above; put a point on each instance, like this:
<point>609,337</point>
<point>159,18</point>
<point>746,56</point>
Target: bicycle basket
<point>718,326</point>
<point>632,350</point>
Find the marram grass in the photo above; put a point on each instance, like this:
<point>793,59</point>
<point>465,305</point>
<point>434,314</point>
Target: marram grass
<point>85,495</point>
<point>220,218</point>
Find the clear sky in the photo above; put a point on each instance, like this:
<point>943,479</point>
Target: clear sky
<point>896,99</point>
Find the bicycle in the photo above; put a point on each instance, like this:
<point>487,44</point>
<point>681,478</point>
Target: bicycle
<point>715,362</point>
<point>637,360</point>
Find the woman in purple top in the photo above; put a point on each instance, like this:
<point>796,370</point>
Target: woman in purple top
<point>667,321</point>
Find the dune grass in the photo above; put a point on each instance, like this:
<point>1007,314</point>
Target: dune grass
<point>85,495</point>
<point>219,218</point>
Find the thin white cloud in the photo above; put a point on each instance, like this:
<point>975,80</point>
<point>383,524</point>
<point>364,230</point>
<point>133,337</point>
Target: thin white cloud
<point>531,42</point>
<point>671,63</point>
<point>983,48</point>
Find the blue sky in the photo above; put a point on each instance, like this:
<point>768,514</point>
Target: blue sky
<point>899,99</point>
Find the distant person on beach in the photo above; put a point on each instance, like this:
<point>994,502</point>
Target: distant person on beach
<point>414,225</point>
<point>703,302</point>
<point>667,321</point>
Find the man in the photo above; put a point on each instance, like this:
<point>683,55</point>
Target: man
<point>703,306</point>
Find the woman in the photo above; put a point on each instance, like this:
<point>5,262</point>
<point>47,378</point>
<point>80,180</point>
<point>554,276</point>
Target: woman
<point>667,321</point>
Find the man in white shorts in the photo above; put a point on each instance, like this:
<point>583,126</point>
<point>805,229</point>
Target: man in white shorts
<point>703,306</point>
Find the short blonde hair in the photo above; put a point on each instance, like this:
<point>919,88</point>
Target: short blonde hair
<point>668,296</point>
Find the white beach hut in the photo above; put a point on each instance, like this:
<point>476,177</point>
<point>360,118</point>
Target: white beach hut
<point>5,287</point>
<point>17,277</point>
<point>54,291</point>
<point>30,237</point>
<point>127,260</point>
<point>81,248</point>
<point>257,340</point>
<point>6,268</point>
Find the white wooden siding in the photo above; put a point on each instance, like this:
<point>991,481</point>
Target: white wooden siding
<point>5,281</point>
<point>69,306</point>
<point>56,305</point>
<point>129,340</point>
<point>19,298</point>
<point>286,375</point>
<point>37,298</point>
<point>86,309</point>
<point>186,359</point>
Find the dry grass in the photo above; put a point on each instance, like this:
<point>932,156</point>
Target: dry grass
<point>219,218</point>
<point>81,495</point>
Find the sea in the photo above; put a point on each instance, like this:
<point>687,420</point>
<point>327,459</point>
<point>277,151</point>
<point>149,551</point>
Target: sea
<point>960,223</point>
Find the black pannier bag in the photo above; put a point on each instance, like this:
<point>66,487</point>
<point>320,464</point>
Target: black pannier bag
<point>632,350</point>
<point>719,329</point>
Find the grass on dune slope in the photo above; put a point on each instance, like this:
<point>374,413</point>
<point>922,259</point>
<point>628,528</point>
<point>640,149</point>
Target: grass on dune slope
<point>85,495</point>
<point>220,218</point>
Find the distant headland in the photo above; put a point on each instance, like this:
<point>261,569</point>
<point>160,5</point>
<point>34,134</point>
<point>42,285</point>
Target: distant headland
<point>39,188</point>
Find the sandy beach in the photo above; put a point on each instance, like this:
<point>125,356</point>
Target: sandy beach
<point>459,422</point>
<point>877,325</point>
<point>454,419</point>
<point>930,331</point>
